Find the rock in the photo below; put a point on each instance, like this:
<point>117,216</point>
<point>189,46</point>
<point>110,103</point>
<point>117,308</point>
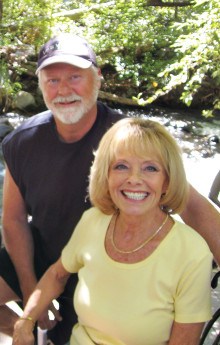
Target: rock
<point>213,139</point>
<point>24,100</point>
<point>5,128</point>
<point>187,128</point>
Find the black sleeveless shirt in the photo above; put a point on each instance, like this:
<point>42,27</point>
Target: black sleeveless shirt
<point>52,176</point>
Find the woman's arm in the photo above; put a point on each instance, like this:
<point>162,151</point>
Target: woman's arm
<point>202,216</point>
<point>186,333</point>
<point>49,287</point>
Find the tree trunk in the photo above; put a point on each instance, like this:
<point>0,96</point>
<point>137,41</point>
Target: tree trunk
<point>116,99</point>
<point>160,3</point>
<point>1,10</point>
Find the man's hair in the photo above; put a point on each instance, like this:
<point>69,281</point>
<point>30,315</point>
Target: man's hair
<point>139,137</point>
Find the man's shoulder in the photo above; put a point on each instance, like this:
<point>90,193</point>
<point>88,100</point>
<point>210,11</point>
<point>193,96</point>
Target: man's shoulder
<point>108,113</point>
<point>32,122</point>
<point>108,116</point>
<point>36,120</point>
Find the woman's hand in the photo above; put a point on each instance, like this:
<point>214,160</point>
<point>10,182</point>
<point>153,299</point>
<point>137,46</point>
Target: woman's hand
<point>49,288</point>
<point>23,333</point>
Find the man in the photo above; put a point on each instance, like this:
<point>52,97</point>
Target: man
<point>47,165</point>
<point>215,190</point>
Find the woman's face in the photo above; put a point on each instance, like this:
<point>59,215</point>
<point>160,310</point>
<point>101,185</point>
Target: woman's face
<point>136,184</point>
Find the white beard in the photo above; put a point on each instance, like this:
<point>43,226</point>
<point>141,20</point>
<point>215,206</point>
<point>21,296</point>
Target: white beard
<point>74,112</point>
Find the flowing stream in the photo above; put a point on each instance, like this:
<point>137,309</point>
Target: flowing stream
<point>199,139</point>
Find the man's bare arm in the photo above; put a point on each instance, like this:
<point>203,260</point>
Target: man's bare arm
<point>202,216</point>
<point>17,235</point>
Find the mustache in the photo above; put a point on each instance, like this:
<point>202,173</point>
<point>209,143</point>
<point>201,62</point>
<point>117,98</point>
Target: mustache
<point>68,99</point>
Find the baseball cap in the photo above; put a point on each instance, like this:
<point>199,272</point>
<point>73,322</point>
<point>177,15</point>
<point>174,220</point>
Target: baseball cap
<point>66,48</point>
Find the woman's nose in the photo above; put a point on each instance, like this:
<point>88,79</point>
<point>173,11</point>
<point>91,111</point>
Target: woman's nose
<point>135,176</point>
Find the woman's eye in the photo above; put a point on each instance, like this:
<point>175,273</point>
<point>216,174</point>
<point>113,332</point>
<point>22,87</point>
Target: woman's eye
<point>151,168</point>
<point>120,167</point>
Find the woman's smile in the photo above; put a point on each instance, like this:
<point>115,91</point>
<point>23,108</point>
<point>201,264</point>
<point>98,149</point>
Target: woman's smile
<point>135,195</point>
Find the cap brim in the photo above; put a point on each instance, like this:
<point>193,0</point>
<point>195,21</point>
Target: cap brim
<point>69,59</point>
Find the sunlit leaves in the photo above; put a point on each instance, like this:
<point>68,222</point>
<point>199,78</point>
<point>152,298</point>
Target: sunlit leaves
<point>199,50</point>
<point>150,47</point>
<point>28,21</point>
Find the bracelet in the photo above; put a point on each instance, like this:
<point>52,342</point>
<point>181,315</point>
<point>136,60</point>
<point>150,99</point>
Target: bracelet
<point>28,318</point>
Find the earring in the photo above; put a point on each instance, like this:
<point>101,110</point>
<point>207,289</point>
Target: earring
<point>163,194</point>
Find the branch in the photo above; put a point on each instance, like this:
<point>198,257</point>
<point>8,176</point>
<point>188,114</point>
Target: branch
<point>72,14</point>
<point>1,10</point>
<point>169,4</point>
<point>75,14</point>
<point>121,100</point>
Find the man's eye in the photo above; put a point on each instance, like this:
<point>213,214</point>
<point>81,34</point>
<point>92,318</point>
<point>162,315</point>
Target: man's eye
<point>74,77</point>
<point>52,81</point>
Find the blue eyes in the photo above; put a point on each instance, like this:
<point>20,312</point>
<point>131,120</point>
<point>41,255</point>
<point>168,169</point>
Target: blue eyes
<point>52,81</point>
<point>71,79</point>
<point>149,168</point>
<point>120,167</point>
<point>75,77</point>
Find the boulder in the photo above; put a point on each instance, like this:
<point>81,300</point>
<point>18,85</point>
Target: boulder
<point>5,128</point>
<point>24,100</point>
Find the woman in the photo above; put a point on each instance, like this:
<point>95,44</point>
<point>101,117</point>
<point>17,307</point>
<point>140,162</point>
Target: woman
<point>144,278</point>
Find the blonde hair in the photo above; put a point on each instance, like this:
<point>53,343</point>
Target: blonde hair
<point>139,136</point>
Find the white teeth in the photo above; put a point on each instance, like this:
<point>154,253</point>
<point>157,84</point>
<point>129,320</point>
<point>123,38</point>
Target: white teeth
<point>135,196</point>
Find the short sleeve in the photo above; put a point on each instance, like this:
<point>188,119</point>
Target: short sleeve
<point>73,254</point>
<point>70,253</point>
<point>193,299</point>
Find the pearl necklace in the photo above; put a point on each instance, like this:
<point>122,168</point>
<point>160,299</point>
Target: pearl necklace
<point>142,245</point>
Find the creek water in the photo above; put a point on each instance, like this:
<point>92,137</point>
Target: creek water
<point>198,137</point>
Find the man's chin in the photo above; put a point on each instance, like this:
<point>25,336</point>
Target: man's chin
<point>67,117</point>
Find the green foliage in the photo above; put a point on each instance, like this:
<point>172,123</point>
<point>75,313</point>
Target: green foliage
<point>135,39</point>
<point>197,55</point>
<point>8,89</point>
<point>154,50</point>
<point>28,21</point>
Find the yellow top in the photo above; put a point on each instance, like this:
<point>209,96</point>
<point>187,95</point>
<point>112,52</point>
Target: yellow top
<point>136,303</point>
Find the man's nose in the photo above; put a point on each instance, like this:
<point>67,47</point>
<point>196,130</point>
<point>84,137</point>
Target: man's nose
<point>65,87</point>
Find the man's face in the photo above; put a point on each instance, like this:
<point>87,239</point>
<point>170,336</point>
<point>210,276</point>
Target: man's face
<point>69,92</point>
